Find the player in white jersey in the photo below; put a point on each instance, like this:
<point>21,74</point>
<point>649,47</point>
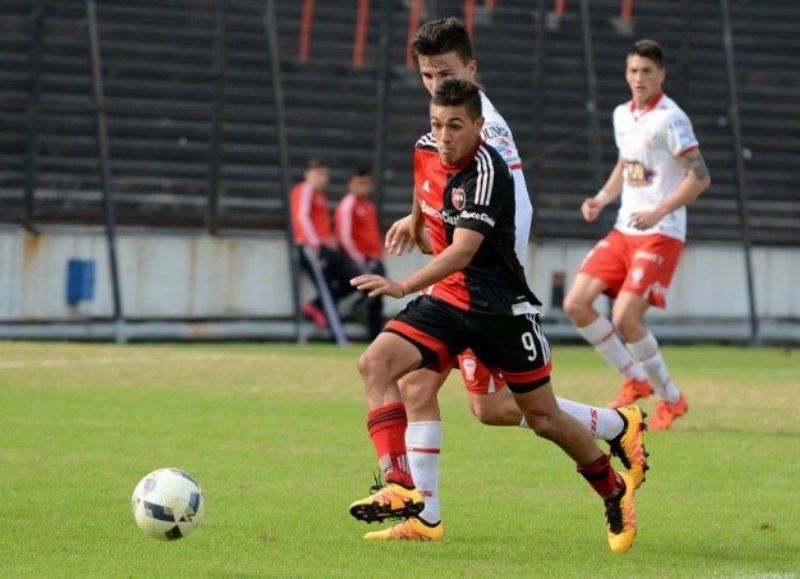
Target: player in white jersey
<point>443,50</point>
<point>659,171</point>
<point>497,134</point>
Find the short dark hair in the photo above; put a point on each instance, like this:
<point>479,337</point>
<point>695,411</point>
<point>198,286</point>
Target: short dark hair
<point>454,92</point>
<point>647,48</point>
<point>316,163</point>
<point>361,172</point>
<point>440,37</point>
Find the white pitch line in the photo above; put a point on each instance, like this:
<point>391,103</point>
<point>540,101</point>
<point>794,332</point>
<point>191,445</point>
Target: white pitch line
<point>107,361</point>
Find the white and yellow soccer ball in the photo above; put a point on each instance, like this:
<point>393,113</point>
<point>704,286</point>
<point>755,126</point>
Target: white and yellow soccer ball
<point>168,504</point>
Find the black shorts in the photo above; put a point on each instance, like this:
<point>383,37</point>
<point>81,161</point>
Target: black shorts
<point>513,345</point>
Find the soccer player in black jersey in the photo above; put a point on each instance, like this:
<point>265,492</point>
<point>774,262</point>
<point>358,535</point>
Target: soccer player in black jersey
<point>478,298</point>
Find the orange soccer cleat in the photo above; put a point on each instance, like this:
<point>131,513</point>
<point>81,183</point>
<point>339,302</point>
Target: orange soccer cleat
<point>667,412</point>
<point>630,392</point>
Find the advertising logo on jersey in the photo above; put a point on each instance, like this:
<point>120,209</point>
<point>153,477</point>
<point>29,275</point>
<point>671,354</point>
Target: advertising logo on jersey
<point>478,217</point>
<point>458,198</point>
<point>494,131</point>
<point>637,175</point>
<point>500,139</point>
<point>442,215</point>
<point>680,130</point>
<point>504,147</point>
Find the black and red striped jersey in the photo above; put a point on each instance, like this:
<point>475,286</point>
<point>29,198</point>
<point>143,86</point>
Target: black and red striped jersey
<point>477,194</point>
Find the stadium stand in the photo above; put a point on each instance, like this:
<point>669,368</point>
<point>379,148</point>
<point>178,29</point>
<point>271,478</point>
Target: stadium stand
<point>164,80</point>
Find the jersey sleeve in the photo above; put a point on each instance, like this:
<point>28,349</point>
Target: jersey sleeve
<point>345,228</point>
<point>419,169</point>
<point>616,123</point>
<point>498,136</point>
<point>486,190</point>
<point>678,134</point>
<point>424,145</point>
<point>302,205</point>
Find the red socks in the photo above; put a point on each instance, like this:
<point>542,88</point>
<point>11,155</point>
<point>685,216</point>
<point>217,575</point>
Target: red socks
<point>387,428</point>
<point>602,477</point>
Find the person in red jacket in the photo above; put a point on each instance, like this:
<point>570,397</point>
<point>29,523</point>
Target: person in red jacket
<point>360,237</point>
<point>313,233</point>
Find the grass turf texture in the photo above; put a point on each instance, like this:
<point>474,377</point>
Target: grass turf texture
<point>276,436</point>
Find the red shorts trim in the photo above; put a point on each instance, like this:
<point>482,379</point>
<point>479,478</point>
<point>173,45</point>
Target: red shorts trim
<point>639,264</point>
<point>527,377</point>
<point>417,336</point>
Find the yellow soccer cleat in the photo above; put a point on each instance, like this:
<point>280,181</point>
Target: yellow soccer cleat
<point>413,529</point>
<point>393,500</point>
<point>629,445</point>
<point>621,518</point>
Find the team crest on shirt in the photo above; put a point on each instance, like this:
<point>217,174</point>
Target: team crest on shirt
<point>459,198</point>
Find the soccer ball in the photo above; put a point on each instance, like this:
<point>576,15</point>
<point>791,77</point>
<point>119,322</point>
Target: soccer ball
<point>168,504</point>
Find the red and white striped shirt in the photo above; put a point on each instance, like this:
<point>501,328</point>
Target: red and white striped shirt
<point>310,218</point>
<point>357,229</point>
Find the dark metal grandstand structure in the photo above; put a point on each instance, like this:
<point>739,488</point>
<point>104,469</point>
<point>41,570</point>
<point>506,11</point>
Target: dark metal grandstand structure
<point>194,129</point>
<point>192,118</point>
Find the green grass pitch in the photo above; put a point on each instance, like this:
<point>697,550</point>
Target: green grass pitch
<point>276,435</point>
